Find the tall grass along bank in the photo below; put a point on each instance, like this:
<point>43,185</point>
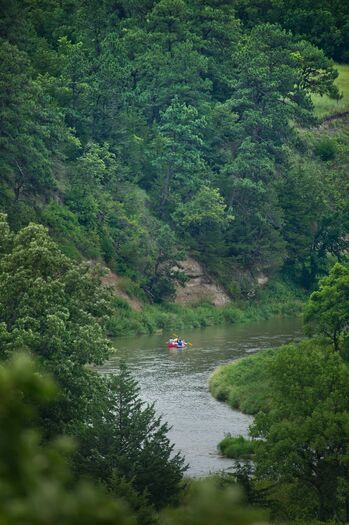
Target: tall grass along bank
<point>245,383</point>
<point>278,299</point>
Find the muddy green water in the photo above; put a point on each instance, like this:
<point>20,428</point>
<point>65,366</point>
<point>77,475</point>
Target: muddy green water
<point>176,380</point>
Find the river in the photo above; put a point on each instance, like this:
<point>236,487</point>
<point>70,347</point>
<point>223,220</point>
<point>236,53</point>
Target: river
<point>176,380</point>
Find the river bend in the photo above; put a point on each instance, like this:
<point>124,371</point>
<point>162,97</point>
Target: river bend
<point>176,380</point>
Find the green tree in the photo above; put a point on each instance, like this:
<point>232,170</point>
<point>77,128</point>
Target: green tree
<point>315,222</point>
<point>29,126</point>
<point>204,218</point>
<point>56,309</point>
<point>217,34</point>
<point>179,163</point>
<point>126,438</point>
<point>274,76</point>
<point>208,502</point>
<point>327,311</point>
<point>72,87</point>
<point>93,171</point>
<point>37,486</point>
<point>170,65</point>
<point>322,22</point>
<point>303,440</point>
<point>168,250</point>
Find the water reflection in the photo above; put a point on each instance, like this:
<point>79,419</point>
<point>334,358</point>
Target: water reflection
<point>176,380</point>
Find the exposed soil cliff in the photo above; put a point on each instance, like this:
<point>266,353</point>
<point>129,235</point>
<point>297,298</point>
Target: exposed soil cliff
<point>114,281</point>
<point>199,286</point>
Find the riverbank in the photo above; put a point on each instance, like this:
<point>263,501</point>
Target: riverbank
<point>176,381</point>
<point>245,384</point>
<point>276,299</point>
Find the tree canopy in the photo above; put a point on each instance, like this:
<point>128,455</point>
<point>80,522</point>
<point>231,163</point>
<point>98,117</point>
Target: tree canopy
<point>303,439</point>
<point>56,310</point>
<point>327,311</point>
<point>116,116</point>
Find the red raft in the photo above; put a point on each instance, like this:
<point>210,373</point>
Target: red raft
<point>176,345</point>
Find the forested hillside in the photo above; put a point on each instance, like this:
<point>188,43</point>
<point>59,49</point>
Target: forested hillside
<point>138,134</point>
<point>140,131</point>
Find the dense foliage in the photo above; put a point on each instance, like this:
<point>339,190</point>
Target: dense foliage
<point>236,447</point>
<point>327,311</point>
<point>38,487</point>
<point>133,133</point>
<point>299,394</point>
<point>139,131</point>
<point>325,23</point>
<point>55,310</point>
<point>305,435</point>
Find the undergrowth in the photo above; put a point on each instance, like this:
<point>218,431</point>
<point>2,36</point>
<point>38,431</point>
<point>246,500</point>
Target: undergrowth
<point>277,299</point>
<point>237,447</point>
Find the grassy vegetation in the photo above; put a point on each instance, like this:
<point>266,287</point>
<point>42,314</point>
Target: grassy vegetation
<point>327,157</point>
<point>237,447</point>
<point>324,106</point>
<point>244,384</point>
<point>277,299</point>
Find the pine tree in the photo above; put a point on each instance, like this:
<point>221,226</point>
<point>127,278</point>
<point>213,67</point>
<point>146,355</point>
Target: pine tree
<point>29,126</point>
<point>128,439</point>
<point>180,164</point>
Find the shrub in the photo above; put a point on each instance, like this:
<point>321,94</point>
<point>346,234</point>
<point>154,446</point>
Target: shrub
<point>237,447</point>
<point>326,149</point>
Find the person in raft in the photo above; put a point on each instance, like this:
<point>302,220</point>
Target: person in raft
<point>180,342</point>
